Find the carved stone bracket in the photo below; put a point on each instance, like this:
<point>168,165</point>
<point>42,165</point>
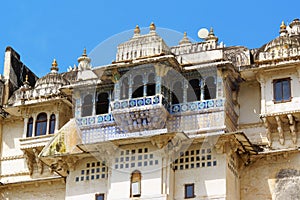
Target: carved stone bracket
<point>29,161</point>
<point>280,129</point>
<point>31,157</point>
<point>37,160</point>
<point>268,130</point>
<point>293,128</point>
<point>63,165</point>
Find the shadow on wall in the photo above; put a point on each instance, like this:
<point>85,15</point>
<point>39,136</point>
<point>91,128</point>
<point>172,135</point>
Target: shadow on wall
<point>287,185</point>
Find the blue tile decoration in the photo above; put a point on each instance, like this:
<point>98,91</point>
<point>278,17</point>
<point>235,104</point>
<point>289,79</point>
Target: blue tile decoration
<point>94,120</point>
<point>210,103</point>
<point>156,100</point>
<point>99,119</point>
<point>196,106</point>
<point>140,102</point>
<point>148,101</point>
<point>132,103</point>
<point>201,105</point>
<point>116,105</point>
<point>193,106</point>
<point>124,104</point>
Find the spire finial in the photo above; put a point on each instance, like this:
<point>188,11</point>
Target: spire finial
<point>84,52</point>
<point>282,31</point>
<point>137,30</point>
<point>54,67</point>
<point>185,39</point>
<point>152,26</point>
<point>54,63</point>
<point>282,26</point>
<point>211,31</point>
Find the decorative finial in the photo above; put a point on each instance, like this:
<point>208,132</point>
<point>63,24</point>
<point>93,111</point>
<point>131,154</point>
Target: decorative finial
<point>54,63</point>
<point>282,31</point>
<point>26,85</point>
<point>282,26</point>
<point>54,67</point>
<point>152,26</point>
<point>211,31</point>
<point>137,30</point>
<point>84,52</point>
<point>185,39</point>
<point>211,35</point>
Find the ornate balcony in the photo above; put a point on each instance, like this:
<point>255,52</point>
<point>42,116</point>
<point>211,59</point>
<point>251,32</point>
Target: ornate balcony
<point>140,114</point>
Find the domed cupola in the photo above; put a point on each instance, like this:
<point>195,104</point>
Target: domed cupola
<point>284,46</point>
<point>49,85</point>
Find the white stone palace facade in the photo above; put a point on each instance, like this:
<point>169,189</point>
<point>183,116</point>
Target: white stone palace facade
<point>194,121</point>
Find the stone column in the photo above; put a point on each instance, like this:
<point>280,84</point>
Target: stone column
<point>25,127</point>
<point>185,87</point>
<point>202,87</point>
<point>33,125</point>
<point>56,122</point>
<point>48,123</point>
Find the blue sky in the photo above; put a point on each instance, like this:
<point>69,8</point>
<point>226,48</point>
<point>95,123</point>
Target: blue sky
<point>42,30</point>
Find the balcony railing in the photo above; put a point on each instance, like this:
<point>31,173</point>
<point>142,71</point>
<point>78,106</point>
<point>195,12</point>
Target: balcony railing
<point>138,102</point>
<point>95,120</point>
<point>196,106</point>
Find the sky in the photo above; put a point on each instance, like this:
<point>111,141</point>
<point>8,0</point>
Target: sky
<point>43,30</point>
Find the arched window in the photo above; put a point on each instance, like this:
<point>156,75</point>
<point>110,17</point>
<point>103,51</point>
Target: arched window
<point>177,93</point>
<point>151,85</point>
<point>124,88</point>
<point>102,103</point>
<point>194,90</point>
<point>87,106</point>
<point>137,87</point>
<point>210,88</point>
<point>41,124</point>
<point>52,124</point>
<point>29,127</point>
<point>135,184</point>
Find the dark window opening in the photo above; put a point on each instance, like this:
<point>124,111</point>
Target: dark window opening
<point>29,127</point>
<point>87,106</point>
<point>52,124</point>
<point>189,191</point>
<point>151,85</point>
<point>135,184</point>
<point>138,87</point>
<point>102,103</point>
<point>282,90</point>
<point>194,90</point>
<point>41,124</point>
<point>99,197</point>
<point>210,88</point>
<point>177,93</point>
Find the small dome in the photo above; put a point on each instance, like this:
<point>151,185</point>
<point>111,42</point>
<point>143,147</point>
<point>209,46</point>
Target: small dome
<point>52,81</point>
<point>282,42</point>
<point>279,47</point>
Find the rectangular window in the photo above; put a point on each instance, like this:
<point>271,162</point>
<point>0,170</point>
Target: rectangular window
<point>189,191</point>
<point>99,197</point>
<point>282,90</point>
